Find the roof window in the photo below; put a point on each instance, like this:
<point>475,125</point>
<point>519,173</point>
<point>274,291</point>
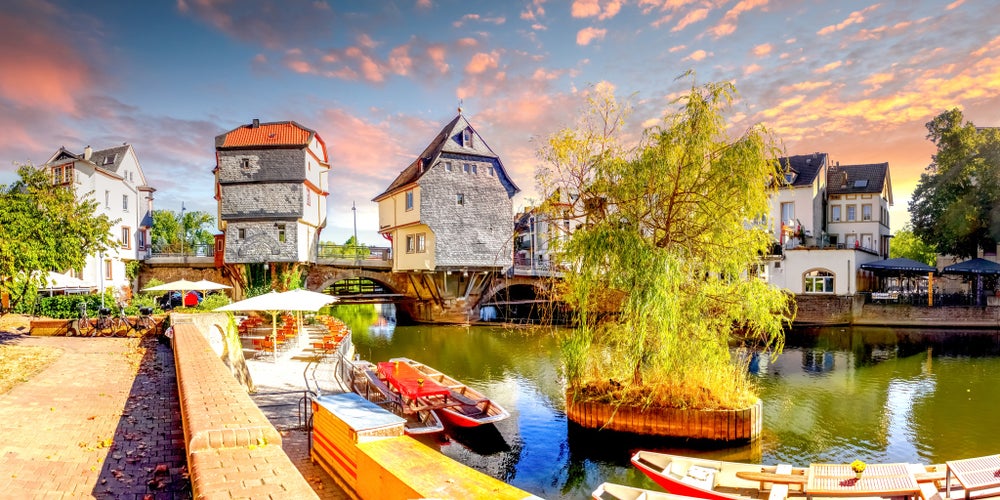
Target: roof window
<point>861,183</point>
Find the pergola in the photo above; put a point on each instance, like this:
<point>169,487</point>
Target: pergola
<point>977,268</point>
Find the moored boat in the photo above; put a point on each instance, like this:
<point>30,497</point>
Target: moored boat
<point>463,406</point>
<point>369,386</point>
<point>714,479</point>
<point>613,491</point>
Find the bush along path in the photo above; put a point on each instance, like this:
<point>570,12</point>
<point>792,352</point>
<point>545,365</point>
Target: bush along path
<point>102,421</point>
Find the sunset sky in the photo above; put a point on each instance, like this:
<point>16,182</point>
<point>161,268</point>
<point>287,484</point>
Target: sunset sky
<point>377,80</point>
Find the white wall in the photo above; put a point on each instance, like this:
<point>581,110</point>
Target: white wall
<point>788,272</point>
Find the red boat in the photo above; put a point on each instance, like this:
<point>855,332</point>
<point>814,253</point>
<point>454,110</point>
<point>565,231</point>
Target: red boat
<point>714,479</point>
<point>472,408</point>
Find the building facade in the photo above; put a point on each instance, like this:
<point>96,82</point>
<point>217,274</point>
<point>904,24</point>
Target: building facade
<point>114,179</point>
<point>828,220</point>
<point>271,185</point>
<point>449,212</point>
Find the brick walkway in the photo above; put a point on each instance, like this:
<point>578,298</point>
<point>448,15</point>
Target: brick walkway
<point>101,422</point>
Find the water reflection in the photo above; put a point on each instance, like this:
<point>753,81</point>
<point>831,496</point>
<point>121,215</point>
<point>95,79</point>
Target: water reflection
<point>834,395</point>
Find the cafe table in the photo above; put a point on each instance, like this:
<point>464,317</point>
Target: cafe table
<point>877,480</point>
<point>409,382</point>
<point>974,474</point>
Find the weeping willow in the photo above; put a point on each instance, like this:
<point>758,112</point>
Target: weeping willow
<point>659,262</point>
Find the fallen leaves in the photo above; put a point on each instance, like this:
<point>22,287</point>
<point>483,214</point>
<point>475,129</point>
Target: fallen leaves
<point>20,363</point>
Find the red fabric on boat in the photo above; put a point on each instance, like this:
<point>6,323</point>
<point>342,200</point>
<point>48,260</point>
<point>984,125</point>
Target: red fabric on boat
<point>407,380</point>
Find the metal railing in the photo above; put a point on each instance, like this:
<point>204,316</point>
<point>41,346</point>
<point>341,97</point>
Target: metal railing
<point>359,252</point>
<point>191,251</point>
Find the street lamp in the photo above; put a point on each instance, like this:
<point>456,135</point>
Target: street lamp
<point>354,209</point>
<point>183,230</point>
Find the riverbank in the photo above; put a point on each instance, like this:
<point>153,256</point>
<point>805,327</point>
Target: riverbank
<point>831,310</point>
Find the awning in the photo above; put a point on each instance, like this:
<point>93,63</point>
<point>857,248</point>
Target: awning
<point>899,265</point>
<point>974,266</point>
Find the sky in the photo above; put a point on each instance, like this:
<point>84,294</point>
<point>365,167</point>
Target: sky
<point>378,79</point>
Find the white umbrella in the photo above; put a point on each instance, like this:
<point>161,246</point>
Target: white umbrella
<point>182,285</point>
<point>273,302</point>
<point>209,285</point>
<point>68,284</point>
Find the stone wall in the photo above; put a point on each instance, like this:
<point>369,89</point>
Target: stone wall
<point>261,242</point>
<point>478,233</point>
<point>265,165</point>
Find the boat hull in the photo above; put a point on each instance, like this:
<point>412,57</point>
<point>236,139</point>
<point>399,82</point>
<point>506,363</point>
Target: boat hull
<point>477,410</point>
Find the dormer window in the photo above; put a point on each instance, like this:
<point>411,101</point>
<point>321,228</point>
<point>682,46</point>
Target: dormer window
<point>467,138</point>
<point>108,160</point>
<point>861,183</point>
<point>790,177</point>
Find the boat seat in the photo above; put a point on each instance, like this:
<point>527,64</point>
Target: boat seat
<point>462,399</point>
<point>380,386</point>
<point>779,491</point>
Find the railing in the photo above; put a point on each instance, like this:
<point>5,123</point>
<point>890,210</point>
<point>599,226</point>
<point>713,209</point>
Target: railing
<point>191,251</point>
<point>920,298</point>
<point>359,252</point>
<point>536,267</point>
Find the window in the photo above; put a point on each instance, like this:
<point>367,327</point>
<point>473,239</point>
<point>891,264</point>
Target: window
<point>410,243</point>
<point>107,199</point>
<point>467,138</point>
<point>835,213</point>
<point>447,166</point>
<point>281,233</point>
<point>817,281</point>
<point>125,203</point>
<point>409,200</point>
<point>142,239</point>
<point>866,212</point>
<point>460,199</point>
<point>126,237</point>
<point>491,171</point>
<point>421,239</point>
<point>475,168</point>
<point>108,160</point>
<point>466,168</point>
<point>789,177</point>
<point>309,198</point>
<point>107,270</point>
<point>245,164</point>
<point>866,241</point>
<point>861,183</point>
<point>56,175</point>
<point>787,213</point>
<point>852,213</point>
<point>241,234</point>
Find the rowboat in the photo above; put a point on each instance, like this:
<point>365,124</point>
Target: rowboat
<point>714,479</point>
<point>718,480</point>
<point>463,406</point>
<point>613,491</point>
<point>369,386</point>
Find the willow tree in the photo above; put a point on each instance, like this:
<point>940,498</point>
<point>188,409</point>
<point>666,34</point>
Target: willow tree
<point>663,251</point>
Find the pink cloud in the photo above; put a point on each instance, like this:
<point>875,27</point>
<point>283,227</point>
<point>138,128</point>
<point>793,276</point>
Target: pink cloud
<point>602,9</point>
<point>691,18</point>
<point>826,68</point>
<point>855,17</point>
<point>482,62</point>
<point>727,25</point>
<point>588,34</point>
<point>954,5</point>
<point>697,55</point>
<point>424,4</point>
<point>476,17</point>
<point>762,49</point>
<point>533,12</point>
<point>273,23</point>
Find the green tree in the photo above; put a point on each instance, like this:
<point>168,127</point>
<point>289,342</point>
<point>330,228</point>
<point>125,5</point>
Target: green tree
<point>907,244</point>
<point>660,263</point>
<point>956,204</point>
<point>43,227</point>
<point>173,233</point>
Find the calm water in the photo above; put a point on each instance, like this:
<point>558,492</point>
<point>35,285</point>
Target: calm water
<point>834,395</point>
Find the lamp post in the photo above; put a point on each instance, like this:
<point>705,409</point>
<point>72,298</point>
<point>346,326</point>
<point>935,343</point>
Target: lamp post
<point>354,209</point>
<point>183,230</point>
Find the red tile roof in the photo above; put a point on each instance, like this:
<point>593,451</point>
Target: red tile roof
<point>268,134</point>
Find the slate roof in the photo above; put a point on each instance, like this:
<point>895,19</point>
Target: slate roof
<point>806,167</point>
<point>106,160</point>
<point>850,179</point>
<point>446,141</point>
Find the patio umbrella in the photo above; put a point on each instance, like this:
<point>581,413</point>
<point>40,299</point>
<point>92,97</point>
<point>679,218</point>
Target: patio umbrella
<point>900,265</point>
<point>273,302</point>
<point>182,285</point>
<point>209,285</point>
<point>977,268</point>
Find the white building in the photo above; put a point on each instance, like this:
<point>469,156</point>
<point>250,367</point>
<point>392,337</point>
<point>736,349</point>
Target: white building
<point>113,178</point>
<point>828,220</point>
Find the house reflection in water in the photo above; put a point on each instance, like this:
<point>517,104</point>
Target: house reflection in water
<point>817,361</point>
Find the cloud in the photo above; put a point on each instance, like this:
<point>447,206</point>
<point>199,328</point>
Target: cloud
<point>476,17</point>
<point>534,12</point>
<point>424,4</point>
<point>272,23</point>
<point>691,18</point>
<point>362,62</point>
<point>727,25</point>
<point>762,49</point>
<point>482,62</point>
<point>826,68</point>
<point>602,9</point>
<point>697,55</point>
<point>855,17</point>
<point>586,35</point>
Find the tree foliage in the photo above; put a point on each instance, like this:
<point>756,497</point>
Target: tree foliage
<point>661,258</point>
<point>44,228</point>
<point>176,233</point>
<point>907,244</point>
<point>956,204</point>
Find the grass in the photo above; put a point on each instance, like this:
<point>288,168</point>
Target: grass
<point>19,363</point>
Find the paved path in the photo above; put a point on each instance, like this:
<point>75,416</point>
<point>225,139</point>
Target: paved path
<point>101,422</point>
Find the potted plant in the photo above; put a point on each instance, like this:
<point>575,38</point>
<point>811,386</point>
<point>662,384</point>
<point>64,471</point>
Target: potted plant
<point>858,467</point>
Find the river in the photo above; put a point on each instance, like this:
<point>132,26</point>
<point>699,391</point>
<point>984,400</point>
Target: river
<point>833,395</point>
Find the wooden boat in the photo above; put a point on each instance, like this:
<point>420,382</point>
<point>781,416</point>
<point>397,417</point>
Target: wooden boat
<point>717,480</point>
<point>369,386</point>
<point>472,408</point>
<point>613,491</point>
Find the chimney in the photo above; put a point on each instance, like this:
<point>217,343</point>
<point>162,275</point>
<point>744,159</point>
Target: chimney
<point>256,123</point>
<point>87,151</point>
